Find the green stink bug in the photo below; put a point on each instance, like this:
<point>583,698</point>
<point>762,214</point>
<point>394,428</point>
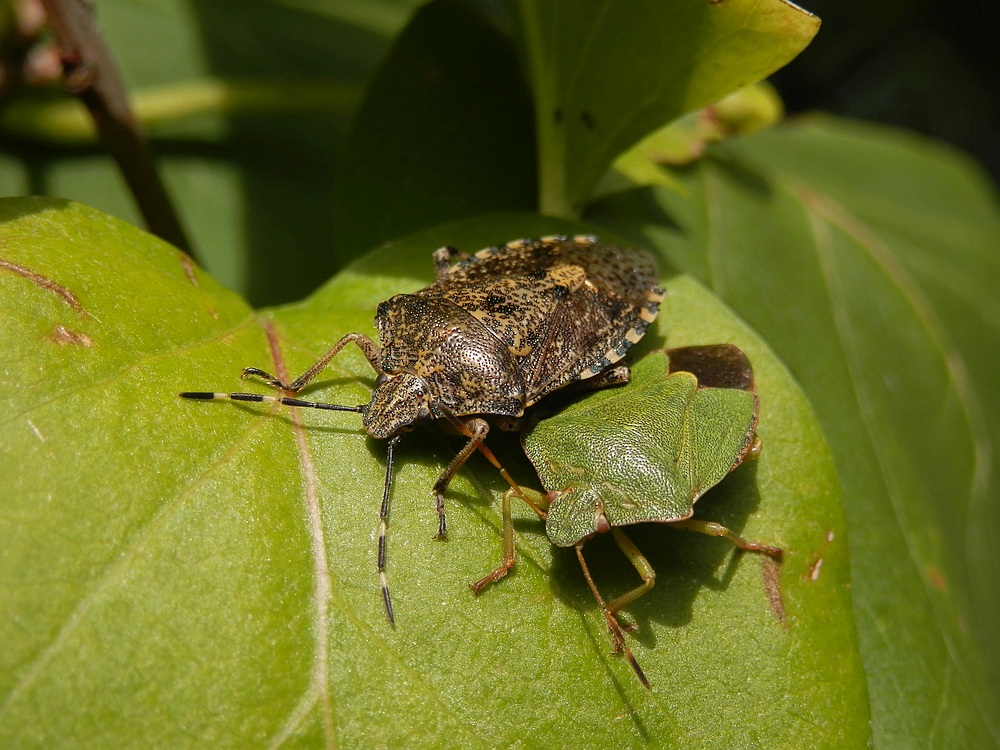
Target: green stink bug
<point>645,452</point>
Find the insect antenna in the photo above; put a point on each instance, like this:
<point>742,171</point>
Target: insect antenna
<point>260,399</point>
<point>383,522</point>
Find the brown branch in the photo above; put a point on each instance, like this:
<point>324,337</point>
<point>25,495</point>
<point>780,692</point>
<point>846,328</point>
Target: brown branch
<point>91,75</point>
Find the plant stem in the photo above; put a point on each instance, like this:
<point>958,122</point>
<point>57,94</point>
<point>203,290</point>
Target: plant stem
<point>91,75</point>
<point>64,121</point>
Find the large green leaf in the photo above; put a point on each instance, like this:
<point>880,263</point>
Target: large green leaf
<point>179,573</point>
<point>868,261</point>
<point>445,131</point>
<point>606,74</point>
<point>252,174</point>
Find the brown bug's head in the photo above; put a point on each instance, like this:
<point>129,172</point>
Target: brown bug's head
<point>398,402</point>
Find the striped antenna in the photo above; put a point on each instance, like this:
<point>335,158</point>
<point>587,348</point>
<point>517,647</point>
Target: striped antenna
<point>383,523</point>
<point>259,399</point>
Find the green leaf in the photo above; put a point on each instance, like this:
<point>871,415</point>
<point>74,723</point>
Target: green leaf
<point>252,173</point>
<point>445,131</point>
<point>203,573</point>
<point>745,111</point>
<point>605,75</point>
<point>867,259</point>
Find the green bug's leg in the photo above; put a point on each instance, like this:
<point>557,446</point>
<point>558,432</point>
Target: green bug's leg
<point>509,556</point>
<point>613,625</point>
<point>367,346</point>
<point>717,529</point>
<point>642,566</point>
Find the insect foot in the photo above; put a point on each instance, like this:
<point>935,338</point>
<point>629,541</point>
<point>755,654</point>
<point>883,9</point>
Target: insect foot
<point>495,333</point>
<point>643,453</point>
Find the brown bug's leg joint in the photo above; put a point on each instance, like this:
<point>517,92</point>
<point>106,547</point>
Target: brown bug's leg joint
<point>268,378</point>
<point>442,532</point>
<point>368,347</point>
<point>618,375</point>
<point>476,430</point>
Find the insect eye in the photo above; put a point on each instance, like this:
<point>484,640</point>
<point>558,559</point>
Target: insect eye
<point>381,379</point>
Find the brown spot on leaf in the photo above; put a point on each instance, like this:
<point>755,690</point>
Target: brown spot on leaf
<point>45,283</point>
<point>63,335</point>
<point>937,579</point>
<point>771,570</point>
<point>188,265</point>
<point>813,571</point>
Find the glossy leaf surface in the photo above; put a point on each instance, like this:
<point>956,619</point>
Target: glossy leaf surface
<point>867,259</point>
<point>445,131</point>
<point>183,573</point>
<point>607,74</point>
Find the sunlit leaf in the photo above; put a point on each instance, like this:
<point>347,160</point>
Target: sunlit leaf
<point>606,74</point>
<point>445,132</point>
<point>868,260</point>
<point>179,573</point>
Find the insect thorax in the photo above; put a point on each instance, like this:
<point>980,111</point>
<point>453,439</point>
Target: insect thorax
<point>460,364</point>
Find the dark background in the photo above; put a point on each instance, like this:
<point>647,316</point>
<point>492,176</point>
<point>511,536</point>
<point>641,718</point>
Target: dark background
<point>931,67</point>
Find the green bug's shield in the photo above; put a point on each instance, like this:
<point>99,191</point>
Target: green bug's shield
<point>644,452</point>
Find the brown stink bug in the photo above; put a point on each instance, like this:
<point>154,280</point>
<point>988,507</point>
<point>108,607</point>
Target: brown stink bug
<point>496,332</point>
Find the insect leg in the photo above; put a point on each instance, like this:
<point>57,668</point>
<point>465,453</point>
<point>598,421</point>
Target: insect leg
<point>476,430</point>
<point>613,625</point>
<point>464,428</point>
<point>533,500</point>
<point>642,566</point>
<point>717,529</point>
<point>618,375</point>
<point>443,259</point>
<point>509,555</point>
<point>368,347</point>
